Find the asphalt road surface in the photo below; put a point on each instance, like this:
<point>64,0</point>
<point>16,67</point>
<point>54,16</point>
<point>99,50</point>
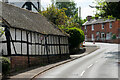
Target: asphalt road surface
<point>103,63</point>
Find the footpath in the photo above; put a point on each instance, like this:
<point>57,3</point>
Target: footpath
<point>29,75</point>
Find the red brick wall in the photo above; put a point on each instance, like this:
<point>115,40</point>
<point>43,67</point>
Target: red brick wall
<point>21,62</point>
<point>98,28</point>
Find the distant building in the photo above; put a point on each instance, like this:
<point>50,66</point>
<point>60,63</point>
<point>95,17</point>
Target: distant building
<point>102,30</point>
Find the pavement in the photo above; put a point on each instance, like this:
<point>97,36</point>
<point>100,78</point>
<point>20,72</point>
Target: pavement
<point>31,74</point>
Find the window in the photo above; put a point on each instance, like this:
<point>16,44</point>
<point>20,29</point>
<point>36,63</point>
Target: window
<point>92,37</point>
<point>102,36</point>
<point>85,27</point>
<point>110,24</point>
<point>102,26</point>
<point>92,27</point>
<point>119,35</point>
<point>97,35</point>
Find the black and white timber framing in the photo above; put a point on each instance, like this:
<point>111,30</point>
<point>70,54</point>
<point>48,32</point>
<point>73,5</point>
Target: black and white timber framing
<point>30,34</point>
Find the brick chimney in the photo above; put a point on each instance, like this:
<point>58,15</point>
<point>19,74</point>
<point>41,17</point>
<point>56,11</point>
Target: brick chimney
<point>89,18</point>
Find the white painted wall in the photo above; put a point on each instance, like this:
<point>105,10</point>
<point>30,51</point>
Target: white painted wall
<point>3,46</point>
<point>37,38</point>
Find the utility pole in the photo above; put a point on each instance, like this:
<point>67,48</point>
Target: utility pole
<point>79,14</point>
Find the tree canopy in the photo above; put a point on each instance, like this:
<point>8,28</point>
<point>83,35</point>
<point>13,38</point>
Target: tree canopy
<point>70,6</point>
<point>108,9</point>
<point>57,16</point>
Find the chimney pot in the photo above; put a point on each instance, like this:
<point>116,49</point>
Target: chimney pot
<point>89,18</point>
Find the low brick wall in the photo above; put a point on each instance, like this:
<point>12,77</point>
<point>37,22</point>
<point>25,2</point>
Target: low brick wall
<point>21,62</point>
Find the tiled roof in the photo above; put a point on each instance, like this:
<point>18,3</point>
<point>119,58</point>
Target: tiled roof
<point>24,19</point>
<point>94,21</point>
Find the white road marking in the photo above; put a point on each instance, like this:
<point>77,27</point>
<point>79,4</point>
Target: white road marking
<point>82,73</point>
<point>90,66</point>
<point>96,61</point>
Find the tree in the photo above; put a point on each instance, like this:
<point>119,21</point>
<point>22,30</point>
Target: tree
<point>70,6</point>
<point>1,32</point>
<point>108,9</point>
<point>57,16</point>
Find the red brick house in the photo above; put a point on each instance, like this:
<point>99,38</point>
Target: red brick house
<point>102,30</point>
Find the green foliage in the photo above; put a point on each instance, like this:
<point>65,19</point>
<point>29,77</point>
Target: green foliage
<point>57,16</point>
<point>107,9</point>
<point>76,37</point>
<point>70,6</point>
<point>70,25</point>
<point>5,65</point>
<point>1,32</point>
<point>113,36</point>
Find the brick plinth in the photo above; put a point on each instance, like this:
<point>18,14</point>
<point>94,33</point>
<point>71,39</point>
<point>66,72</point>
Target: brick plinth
<point>21,62</point>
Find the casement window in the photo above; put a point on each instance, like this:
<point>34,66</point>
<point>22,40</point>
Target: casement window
<point>92,27</point>
<point>92,37</point>
<point>110,25</point>
<point>85,27</point>
<point>102,36</point>
<point>102,26</point>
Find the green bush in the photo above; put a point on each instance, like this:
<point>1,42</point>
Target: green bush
<point>5,65</point>
<point>76,37</point>
<point>113,36</point>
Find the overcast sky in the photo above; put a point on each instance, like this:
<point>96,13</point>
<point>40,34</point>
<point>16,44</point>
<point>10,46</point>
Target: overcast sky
<point>85,9</point>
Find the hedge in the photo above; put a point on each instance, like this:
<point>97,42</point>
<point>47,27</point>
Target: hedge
<point>5,65</point>
<point>76,37</point>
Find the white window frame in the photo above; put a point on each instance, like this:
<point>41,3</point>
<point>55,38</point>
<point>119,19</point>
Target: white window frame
<point>92,27</point>
<point>110,25</point>
<point>102,26</point>
<point>92,35</point>
<point>102,36</point>
<point>85,27</point>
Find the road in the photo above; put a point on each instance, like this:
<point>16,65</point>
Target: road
<point>103,63</point>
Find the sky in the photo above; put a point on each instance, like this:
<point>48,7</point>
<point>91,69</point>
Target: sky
<point>84,4</point>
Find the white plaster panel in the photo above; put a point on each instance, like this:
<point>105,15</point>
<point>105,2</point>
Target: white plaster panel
<point>18,47</point>
<point>50,50</point>
<point>30,52</point>
<point>33,49</point>
<point>12,32</point>
<point>24,48</point>
<point>39,39</point>
<point>24,36</point>
<point>43,52</point>
<point>37,50</point>
<point>49,39</point>
<point>18,34</point>
<point>3,46</point>
<point>53,50</point>
<point>29,37</point>
<point>67,49</point>
<point>12,49</point>
<point>36,36</point>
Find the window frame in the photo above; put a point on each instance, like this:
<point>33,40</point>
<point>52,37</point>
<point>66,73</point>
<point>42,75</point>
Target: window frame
<point>102,26</point>
<point>110,25</point>
<point>92,27</point>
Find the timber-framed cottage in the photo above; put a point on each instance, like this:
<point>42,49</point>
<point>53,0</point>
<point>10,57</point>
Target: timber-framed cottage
<point>29,38</point>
